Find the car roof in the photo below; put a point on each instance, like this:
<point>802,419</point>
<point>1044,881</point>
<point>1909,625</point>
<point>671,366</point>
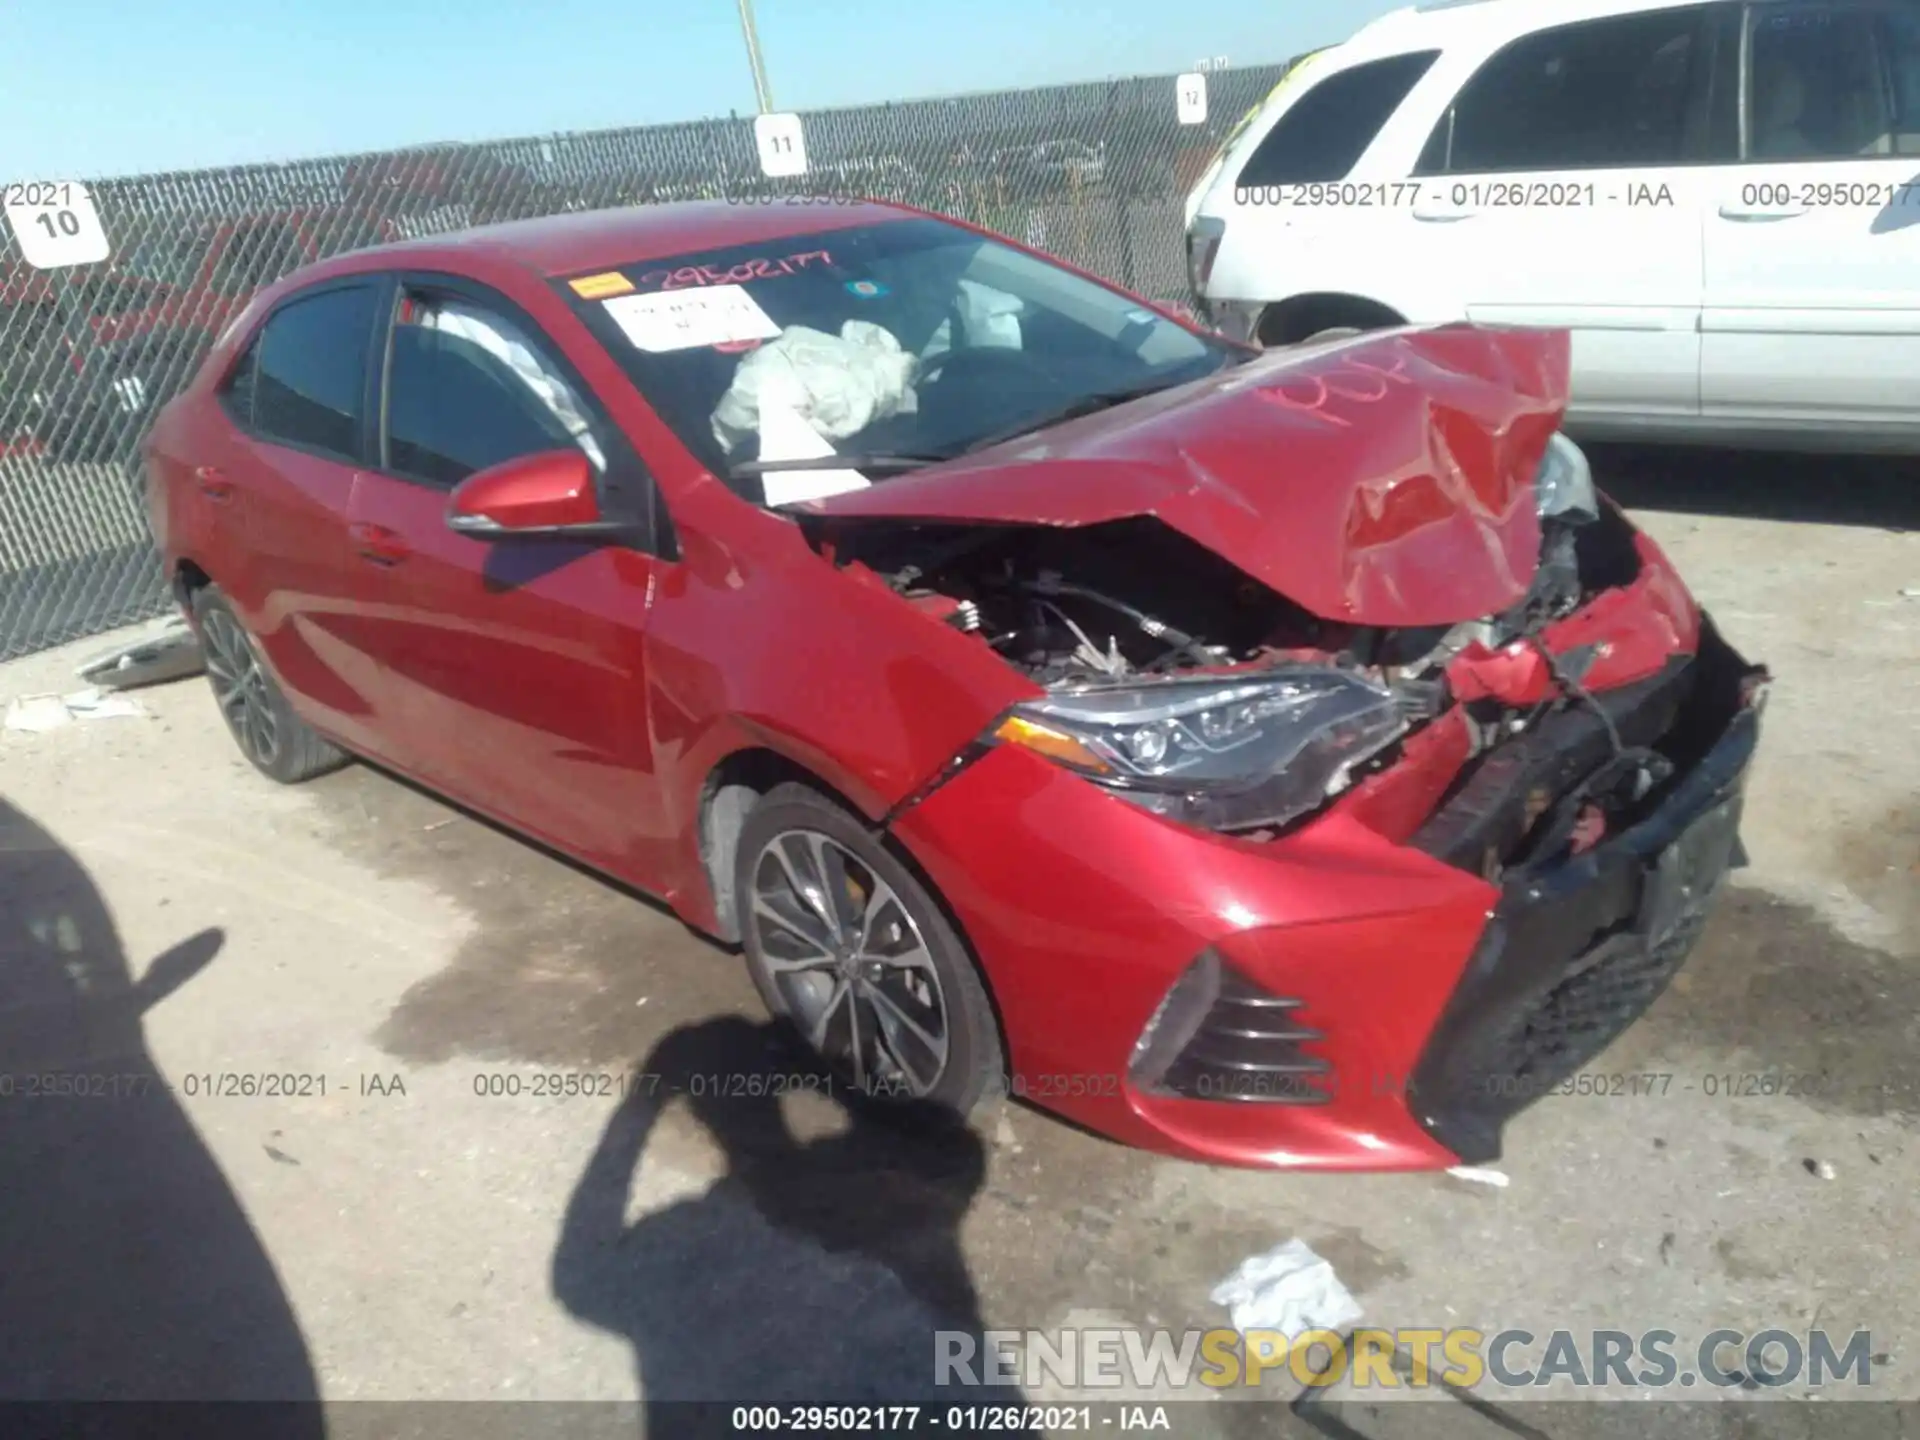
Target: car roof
<point>610,239</point>
<point>1446,24</point>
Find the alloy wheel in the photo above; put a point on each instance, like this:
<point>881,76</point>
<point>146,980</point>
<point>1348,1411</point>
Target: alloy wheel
<point>850,962</point>
<point>240,687</point>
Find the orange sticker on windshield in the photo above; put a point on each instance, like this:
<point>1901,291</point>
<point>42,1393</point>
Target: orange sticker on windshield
<point>599,287</point>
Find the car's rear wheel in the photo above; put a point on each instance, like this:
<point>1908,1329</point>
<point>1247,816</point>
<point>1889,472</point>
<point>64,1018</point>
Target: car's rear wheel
<point>846,943</point>
<point>277,742</point>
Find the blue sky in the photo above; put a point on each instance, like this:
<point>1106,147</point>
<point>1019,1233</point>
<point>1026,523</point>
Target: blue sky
<point>116,87</point>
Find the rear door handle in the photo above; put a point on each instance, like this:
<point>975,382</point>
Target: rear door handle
<point>213,484</point>
<point>1436,214</point>
<point>1741,212</point>
<point>378,544</point>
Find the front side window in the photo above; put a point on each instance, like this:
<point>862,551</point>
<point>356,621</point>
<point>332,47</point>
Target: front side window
<point>1823,82</point>
<point>468,388</point>
<point>905,341</point>
<point>309,380</point>
<point>1324,133</point>
<point>1603,93</point>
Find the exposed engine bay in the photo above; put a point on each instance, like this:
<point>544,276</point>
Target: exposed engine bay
<point>1183,684</point>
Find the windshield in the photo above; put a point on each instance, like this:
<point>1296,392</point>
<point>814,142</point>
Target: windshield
<point>896,343</point>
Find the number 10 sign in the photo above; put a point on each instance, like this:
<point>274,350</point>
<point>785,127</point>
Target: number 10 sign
<point>55,223</point>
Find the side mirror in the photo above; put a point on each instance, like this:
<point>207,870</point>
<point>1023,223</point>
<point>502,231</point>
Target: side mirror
<point>549,493</point>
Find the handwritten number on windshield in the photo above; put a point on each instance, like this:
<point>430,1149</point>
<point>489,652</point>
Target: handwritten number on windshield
<point>760,268</point>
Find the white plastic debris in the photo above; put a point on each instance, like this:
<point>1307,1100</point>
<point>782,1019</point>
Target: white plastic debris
<point>164,650</point>
<point>37,714</point>
<point>1289,1289</point>
<point>1473,1173</point>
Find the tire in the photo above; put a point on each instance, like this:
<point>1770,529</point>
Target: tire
<point>894,983</point>
<point>278,743</point>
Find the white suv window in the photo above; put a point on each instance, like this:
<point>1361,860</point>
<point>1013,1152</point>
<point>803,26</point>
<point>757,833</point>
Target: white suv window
<point>1602,93</point>
<point>1323,134</point>
<point>1832,82</point>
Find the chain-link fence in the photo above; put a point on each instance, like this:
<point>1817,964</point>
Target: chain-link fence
<point>1095,173</point>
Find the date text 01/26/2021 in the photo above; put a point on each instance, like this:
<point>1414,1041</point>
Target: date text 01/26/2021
<point>197,1085</point>
<point>748,1085</point>
<point>951,1419</point>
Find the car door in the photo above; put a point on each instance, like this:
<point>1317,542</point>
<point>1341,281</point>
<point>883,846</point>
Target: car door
<point>281,482</point>
<point>1564,186</point>
<point>511,671</point>
<point>1812,314</point>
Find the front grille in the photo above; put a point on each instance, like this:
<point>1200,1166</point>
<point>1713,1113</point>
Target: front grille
<point>1219,1036</point>
<point>1579,1017</point>
<point>1578,948</point>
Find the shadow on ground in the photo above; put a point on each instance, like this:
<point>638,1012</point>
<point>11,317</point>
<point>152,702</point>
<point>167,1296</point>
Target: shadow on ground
<point>128,1270</point>
<point>1878,492</point>
<point>818,1271</point>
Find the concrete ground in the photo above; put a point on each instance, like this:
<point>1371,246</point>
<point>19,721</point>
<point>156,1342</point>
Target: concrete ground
<point>418,1231</point>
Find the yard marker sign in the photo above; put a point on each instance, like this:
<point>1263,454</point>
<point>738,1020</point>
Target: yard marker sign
<point>782,146</point>
<point>1190,97</point>
<point>55,223</point>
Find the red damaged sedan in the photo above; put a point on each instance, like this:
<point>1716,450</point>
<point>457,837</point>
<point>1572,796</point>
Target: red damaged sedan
<point>1279,759</point>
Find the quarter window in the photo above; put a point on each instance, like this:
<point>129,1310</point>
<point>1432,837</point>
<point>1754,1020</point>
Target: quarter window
<point>1603,93</point>
<point>309,383</point>
<point>1323,134</point>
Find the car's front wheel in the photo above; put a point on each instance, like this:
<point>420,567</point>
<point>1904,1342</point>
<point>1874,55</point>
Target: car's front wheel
<point>278,742</point>
<point>846,943</point>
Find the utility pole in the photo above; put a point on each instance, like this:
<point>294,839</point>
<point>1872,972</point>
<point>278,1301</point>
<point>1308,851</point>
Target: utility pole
<point>762,95</point>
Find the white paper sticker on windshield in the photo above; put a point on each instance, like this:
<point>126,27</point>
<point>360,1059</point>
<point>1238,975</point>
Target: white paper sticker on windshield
<point>786,435</point>
<point>688,319</point>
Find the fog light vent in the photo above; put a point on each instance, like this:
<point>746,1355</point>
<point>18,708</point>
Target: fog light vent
<point>1218,1036</point>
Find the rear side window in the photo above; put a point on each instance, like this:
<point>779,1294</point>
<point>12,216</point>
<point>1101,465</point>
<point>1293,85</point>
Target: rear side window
<point>309,382</point>
<point>1324,133</point>
<point>1832,82</point>
<point>1602,93</point>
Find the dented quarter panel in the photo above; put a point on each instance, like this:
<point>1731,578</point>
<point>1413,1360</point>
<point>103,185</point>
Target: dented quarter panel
<point>1386,481</point>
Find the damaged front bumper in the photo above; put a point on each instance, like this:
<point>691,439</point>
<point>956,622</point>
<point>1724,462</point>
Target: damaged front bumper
<point>1577,948</point>
<point>1329,998</point>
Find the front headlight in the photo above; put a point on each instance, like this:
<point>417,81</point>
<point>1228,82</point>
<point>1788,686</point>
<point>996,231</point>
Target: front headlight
<point>1220,752</point>
<point>1563,486</point>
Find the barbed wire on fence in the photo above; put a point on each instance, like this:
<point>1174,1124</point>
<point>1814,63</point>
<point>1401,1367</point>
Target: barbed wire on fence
<point>1094,172</point>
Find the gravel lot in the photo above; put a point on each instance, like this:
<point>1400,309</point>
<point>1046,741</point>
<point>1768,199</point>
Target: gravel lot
<point>403,1236</point>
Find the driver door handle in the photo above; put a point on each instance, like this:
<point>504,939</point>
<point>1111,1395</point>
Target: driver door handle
<point>378,545</point>
<point>1740,212</point>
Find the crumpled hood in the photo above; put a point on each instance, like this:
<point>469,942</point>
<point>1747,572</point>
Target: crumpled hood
<point>1383,481</point>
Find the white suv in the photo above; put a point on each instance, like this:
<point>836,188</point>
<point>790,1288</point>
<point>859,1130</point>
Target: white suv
<point>1720,201</point>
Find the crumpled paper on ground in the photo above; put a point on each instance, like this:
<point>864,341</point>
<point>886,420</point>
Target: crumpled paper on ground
<point>37,714</point>
<point>1289,1289</point>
